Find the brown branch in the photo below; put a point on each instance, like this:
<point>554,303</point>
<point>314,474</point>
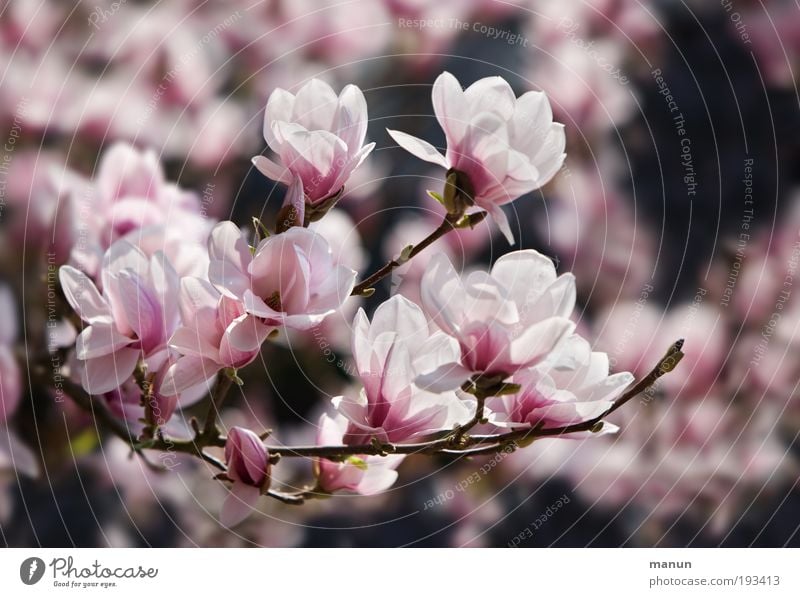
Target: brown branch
<point>120,428</point>
<point>218,396</point>
<point>449,223</point>
<point>98,410</point>
<point>456,443</point>
<point>453,444</point>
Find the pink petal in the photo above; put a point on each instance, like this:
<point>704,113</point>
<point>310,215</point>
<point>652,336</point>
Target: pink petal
<point>280,106</point>
<point>295,196</point>
<point>197,300</point>
<point>246,333</point>
<point>98,340</point>
<point>106,373</point>
<point>190,341</point>
<point>142,310</point>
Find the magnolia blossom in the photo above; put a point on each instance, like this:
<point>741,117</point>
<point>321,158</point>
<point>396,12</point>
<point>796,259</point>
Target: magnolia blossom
<point>129,193</point>
<point>290,280</point>
<point>502,145</point>
<point>204,338</point>
<point>319,138</point>
<point>131,320</point>
<point>390,353</point>
<point>366,475</point>
<point>504,321</point>
<point>571,386</point>
<point>248,468</point>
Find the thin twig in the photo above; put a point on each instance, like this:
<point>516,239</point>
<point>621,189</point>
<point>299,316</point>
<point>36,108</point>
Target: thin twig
<point>447,225</point>
<point>491,443</point>
<point>457,443</point>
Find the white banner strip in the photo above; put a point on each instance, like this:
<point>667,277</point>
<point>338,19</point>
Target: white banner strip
<point>331,573</point>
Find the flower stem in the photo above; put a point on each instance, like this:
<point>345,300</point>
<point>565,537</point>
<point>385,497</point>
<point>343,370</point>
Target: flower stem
<point>458,444</point>
<point>449,223</point>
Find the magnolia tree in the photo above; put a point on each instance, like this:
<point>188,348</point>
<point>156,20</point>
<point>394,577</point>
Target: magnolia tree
<point>171,308</point>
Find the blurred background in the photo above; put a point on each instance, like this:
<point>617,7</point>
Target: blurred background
<point>678,209</point>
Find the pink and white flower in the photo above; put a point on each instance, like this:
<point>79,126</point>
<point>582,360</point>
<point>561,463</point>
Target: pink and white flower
<point>390,353</point>
<point>248,468</point>
<point>504,146</point>
<point>203,340</point>
<point>571,386</point>
<point>366,475</point>
<point>131,320</point>
<point>318,137</point>
<point>128,194</point>
<point>504,321</point>
<point>290,280</point>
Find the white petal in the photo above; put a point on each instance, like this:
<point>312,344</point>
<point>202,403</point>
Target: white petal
<point>444,378</point>
<point>403,317</point>
<point>280,106</point>
<point>379,475</point>
<point>491,94</point>
<point>230,257</point>
<point>188,372</point>
<point>197,300</point>
<point>226,243</point>
<point>238,504</point>
<point>191,341</point>
<point>443,294</point>
<point>315,106</point>
<point>361,345</point>
<point>351,118</point>
<point>106,373</point>
<point>538,340</point>
<point>123,255</point>
<point>419,148</point>
<point>99,339</point>
<point>271,170</point>
<point>82,295</point>
<point>501,221</point>
<point>450,107</point>
<point>295,196</point>
<point>142,311</point>
<point>526,275</point>
<point>550,156</point>
<point>247,333</point>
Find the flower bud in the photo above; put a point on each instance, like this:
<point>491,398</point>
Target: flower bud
<point>247,458</point>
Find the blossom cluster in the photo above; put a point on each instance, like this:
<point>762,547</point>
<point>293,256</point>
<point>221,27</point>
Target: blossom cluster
<point>129,136</point>
<point>172,305</point>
